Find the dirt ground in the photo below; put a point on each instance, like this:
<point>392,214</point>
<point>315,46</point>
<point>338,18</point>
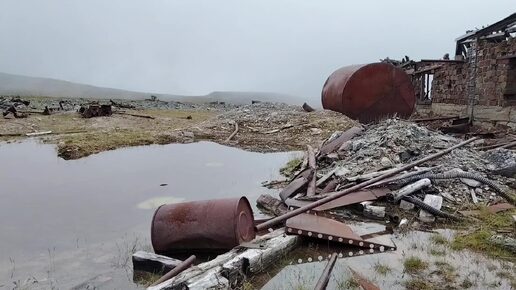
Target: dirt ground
<point>262,127</point>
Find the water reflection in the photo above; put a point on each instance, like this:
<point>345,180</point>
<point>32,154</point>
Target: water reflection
<point>65,222</point>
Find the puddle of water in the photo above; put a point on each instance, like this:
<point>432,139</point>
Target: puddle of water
<point>67,222</point>
<point>482,272</point>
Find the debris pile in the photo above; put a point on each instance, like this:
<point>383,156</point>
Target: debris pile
<point>271,127</point>
<point>454,181</point>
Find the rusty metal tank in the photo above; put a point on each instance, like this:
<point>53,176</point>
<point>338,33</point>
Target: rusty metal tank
<point>369,92</point>
<point>202,226</point>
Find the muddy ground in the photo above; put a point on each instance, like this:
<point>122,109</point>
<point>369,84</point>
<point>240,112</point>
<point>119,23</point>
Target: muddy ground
<point>262,127</point>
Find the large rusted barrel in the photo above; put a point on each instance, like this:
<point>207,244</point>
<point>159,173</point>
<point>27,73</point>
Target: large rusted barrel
<point>369,92</point>
<point>202,226</point>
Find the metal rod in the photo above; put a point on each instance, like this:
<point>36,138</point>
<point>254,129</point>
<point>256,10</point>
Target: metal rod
<point>338,194</point>
<point>325,276</point>
<point>178,269</point>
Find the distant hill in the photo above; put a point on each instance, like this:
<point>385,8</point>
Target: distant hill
<point>240,98</point>
<point>34,86</point>
<point>11,84</point>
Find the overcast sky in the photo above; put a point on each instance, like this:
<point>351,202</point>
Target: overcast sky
<point>195,47</point>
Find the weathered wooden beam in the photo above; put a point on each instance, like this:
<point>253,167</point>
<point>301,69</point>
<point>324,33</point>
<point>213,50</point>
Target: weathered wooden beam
<point>217,272</point>
<point>271,205</point>
<point>153,263</point>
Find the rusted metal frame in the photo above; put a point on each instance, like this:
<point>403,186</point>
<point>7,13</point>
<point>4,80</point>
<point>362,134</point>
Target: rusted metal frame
<point>325,276</point>
<point>338,194</point>
<point>178,269</point>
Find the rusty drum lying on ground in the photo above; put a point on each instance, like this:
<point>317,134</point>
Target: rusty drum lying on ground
<point>369,92</point>
<point>202,226</point>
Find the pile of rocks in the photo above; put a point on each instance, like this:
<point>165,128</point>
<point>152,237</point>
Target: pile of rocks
<point>395,142</point>
<point>464,176</point>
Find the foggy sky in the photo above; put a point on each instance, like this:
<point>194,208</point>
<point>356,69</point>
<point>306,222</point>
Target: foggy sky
<point>195,47</point>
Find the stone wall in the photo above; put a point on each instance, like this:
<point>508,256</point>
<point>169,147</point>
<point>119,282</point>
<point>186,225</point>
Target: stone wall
<point>493,76</point>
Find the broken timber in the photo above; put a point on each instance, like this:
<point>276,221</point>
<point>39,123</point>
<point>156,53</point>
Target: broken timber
<point>228,267</point>
<point>153,263</point>
<point>233,134</point>
<point>313,166</point>
<point>338,194</point>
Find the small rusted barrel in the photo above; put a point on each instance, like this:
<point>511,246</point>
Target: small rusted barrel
<point>369,92</point>
<point>202,226</point>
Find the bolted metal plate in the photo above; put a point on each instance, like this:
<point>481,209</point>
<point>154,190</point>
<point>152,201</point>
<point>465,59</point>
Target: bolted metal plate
<point>328,229</point>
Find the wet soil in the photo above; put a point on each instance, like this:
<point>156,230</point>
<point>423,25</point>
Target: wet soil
<point>440,267</point>
<point>263,127</point>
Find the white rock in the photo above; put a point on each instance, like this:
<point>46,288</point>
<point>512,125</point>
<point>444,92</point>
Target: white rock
<point>434,201</point>
<point>385,162</point>
<point>470,182</point>
<point>342,171</point>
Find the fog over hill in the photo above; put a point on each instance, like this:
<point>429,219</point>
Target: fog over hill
<point>11,84</point>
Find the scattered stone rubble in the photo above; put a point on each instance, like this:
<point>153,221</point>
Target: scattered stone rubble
<point>270,127</point>
<point>393,143</point>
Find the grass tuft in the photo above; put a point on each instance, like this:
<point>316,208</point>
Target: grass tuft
<point>414,265</point>
<point>382,269</point>
<point>439,239</point>
<point>418,284</point>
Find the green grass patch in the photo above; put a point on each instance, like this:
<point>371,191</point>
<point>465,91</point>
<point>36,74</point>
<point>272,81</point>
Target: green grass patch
<point>446,272</point>
<point>437,252</point>
<point>291,167</point>
<point>478,240</point>
<point>418,284</point>
<point>350,283</point>
<point>413,265</point>
<point>439,239</point>
<point>382,269</point>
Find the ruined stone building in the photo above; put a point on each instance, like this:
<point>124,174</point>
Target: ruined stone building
<point>479,82</point>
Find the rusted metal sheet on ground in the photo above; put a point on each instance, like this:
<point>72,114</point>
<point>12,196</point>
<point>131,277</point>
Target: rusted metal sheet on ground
<point>363,282</point>
<point>202,226</point>
<point>311,225</point>
<point>351,198</point>
<point>369,92</point>
<point>333,145</point>
<point>293,187</point>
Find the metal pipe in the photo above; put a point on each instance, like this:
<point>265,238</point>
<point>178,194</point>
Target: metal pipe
<point>468,175</point>
<point>325,276</point>
<point>421,204</point>
<point>178,269</point>
<point>338,194</point>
